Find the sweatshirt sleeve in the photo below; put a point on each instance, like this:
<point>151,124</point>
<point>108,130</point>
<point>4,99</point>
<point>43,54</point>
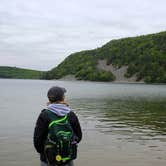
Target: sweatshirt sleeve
<point>40,132</point>
<point>76,125</point>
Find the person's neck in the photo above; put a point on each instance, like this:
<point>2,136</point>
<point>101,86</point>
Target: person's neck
<point>61,102</point>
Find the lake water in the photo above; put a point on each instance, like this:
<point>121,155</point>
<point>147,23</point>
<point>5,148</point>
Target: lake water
<point>123,124</point>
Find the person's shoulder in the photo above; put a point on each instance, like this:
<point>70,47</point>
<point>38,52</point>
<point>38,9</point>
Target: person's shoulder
<point>73,116</point>
<point>71,113</point>
<point>44,113</point>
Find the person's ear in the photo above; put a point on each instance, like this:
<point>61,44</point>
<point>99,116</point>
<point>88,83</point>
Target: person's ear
<point>63,97</point>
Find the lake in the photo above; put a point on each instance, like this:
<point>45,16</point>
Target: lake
<point>123,124</point>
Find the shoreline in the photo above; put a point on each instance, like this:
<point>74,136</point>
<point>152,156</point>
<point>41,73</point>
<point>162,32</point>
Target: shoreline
<point>75,80</point>
<point>72,78</point>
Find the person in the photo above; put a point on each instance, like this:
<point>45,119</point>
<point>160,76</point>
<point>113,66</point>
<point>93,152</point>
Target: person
<point>57,105</point>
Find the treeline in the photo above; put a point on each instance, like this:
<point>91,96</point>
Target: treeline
<point>14,72</point>
<point>145,57</point>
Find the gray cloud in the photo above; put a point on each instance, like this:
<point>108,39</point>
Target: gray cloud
<point>39,34</point>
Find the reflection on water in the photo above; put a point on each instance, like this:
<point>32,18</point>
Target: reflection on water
<point>132,131</point>
<point>133,120</point>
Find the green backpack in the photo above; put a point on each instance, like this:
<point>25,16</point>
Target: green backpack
<point>60,146</point>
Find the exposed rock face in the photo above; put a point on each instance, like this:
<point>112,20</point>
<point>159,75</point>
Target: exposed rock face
<point>68,78</point>
<point>118,72</point>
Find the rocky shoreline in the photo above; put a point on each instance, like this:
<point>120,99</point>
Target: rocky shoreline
<point>118,72</point>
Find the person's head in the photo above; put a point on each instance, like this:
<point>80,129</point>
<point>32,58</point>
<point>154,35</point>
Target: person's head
<point>56,94</point>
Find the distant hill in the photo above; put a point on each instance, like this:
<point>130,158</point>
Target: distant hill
<point>14,72</point>
<point>142,58</point>
<point>132,59</point>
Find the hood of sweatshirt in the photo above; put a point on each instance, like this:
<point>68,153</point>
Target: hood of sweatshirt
<point>59,109</point>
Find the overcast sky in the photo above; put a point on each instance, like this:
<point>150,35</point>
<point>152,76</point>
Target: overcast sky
<point>39,34</point>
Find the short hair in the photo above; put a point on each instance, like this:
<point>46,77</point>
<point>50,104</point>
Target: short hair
<point>56,93</point>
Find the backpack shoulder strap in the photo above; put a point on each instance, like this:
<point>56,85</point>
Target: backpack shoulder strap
<point>58,121</point>
<point>55,119</point>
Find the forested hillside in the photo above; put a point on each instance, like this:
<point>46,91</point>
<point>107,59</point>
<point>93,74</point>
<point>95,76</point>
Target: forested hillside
<point>145,57</point>
<point>83,66</point>
<point>14,72</point>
